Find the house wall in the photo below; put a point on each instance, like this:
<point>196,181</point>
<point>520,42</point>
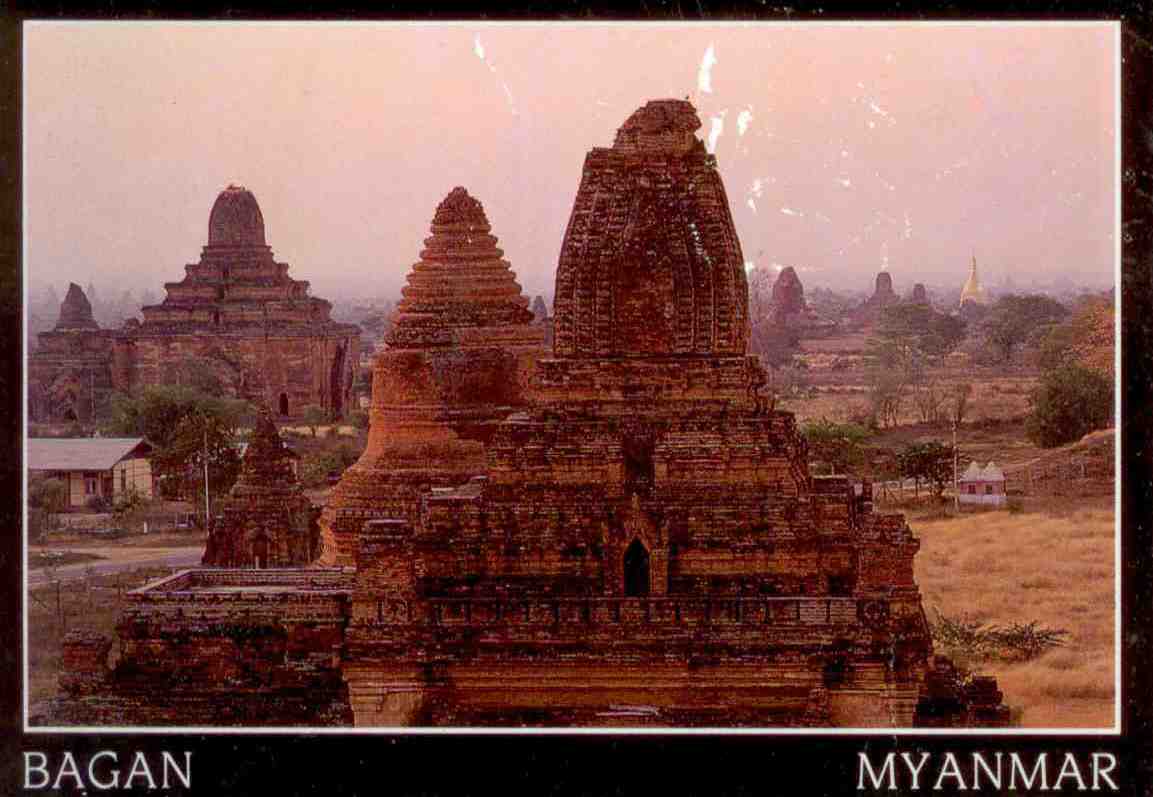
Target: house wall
<point>132,474</point>
<point>980,493</point>
<point>137,475</point>
<point>76,494</point>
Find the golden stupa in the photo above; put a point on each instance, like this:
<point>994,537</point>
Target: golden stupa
<point>973,292</point>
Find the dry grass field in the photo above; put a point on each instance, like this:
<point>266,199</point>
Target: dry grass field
<point>995,398</point>
<point>1052,565</point>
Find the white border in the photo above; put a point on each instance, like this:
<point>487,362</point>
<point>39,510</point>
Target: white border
<point>469,731</point>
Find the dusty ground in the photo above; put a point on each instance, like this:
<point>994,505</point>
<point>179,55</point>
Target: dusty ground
<point>107,553</point>
<point>91,604</point>
<point>88,543</point>
<point>54,557</point>
<point>1053,565</point>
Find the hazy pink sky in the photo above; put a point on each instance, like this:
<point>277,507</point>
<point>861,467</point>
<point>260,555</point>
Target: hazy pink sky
<point>843,149</point>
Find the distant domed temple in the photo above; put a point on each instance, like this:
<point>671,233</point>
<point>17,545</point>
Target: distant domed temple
<point>629,535</point>
<point>972,290</point>
<point>869,311</point>
<point>236,317</point>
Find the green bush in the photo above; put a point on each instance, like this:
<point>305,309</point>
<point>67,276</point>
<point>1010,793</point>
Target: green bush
<point>1068,404</point>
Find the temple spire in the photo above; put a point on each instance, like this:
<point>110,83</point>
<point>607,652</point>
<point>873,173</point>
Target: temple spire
<point>972,290</point>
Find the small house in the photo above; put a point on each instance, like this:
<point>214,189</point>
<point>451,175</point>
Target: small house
<point>107,468</point>
<point>979,485</point>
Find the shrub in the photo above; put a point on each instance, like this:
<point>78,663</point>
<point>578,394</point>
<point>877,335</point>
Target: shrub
<point>359,419</point>
<point>837,444</point>
<point>1014,642</point>
<point>313,417</point>
<point>50,495</point>
<point>1068,404</point>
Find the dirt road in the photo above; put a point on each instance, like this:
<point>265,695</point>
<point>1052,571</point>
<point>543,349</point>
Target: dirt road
<point>117,560</point>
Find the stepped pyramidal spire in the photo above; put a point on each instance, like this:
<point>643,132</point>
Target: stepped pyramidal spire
<point>461,280</point>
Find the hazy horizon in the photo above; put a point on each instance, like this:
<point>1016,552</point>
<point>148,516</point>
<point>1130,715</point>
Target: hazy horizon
<point>844,150</point>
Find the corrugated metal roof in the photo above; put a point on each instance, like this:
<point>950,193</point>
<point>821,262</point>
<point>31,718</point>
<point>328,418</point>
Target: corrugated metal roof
<point>79,453</point>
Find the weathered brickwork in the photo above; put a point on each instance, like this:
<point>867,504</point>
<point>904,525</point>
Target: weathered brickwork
<point>218,647</point>
<point>236,314</point>
<point>624,533</point>
<point>69,373</point>
<point>617,294</point>
<point>266,521</point>
<point>645,545</point>
<point>459,358</point>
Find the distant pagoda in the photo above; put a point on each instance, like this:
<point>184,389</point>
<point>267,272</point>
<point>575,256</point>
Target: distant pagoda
<point>236,316</point>
<point>973,292</point>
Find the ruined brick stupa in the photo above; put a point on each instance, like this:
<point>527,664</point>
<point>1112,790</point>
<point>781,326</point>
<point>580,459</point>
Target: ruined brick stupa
<point>457,360</point>
<point>869,312</point>
<point>75,311</point>
<point>69,374</point>
<point>266,521</point>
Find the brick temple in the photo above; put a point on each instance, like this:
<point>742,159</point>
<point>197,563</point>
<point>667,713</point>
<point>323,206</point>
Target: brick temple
<point>69,373</point>
<point>632,539</point>
<point>457,361</point>
<point>236,315</point>
<point>266,520</point>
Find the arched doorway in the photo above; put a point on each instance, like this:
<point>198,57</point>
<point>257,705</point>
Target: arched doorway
<point>260,553</point>
<point>636,570</point>
<point>283,404</point>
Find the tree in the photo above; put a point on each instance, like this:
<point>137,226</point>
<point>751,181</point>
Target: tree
<point>958,401</point>
<point>174,418</point>
<point>1070,402</point>
<point>908,341</point>
<point>920,329</point>
<point>50,496</point>
<point>1013,320</point>
<point>1086,337</point>
<point>155,412</point>
<point>199,435</point>
<point>887,390</point>
<point>930,462</point>
<point>312,416</point>
<point>838,444</point>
